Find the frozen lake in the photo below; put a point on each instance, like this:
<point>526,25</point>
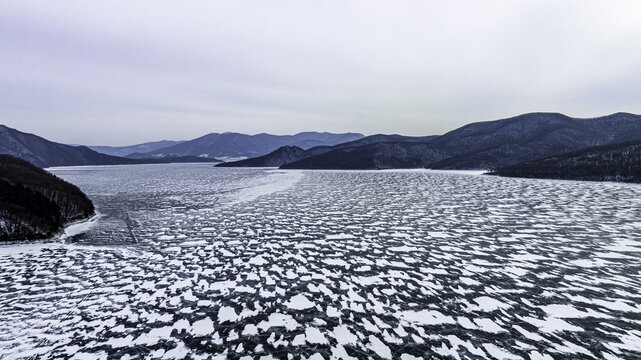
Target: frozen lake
<point>191,260</point>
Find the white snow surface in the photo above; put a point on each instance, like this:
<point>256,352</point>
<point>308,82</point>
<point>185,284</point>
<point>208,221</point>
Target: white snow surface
<point>277,180</point>
<point>80,227</point>
<point>188,260</point>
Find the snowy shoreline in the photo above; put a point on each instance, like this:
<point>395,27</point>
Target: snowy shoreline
<point>70,229</point>
<point>78,227</point>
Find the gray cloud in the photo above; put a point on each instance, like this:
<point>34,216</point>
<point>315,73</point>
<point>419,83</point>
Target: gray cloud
<point>118,72</point>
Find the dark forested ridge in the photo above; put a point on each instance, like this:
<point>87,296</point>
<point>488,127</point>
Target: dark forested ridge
<point>44,153</point>
<point>295,156</point>
<point>500,143</point>
<point>618,162</point>
<point>383,155</point>
<point>481,145</point>
<point>35,204</point>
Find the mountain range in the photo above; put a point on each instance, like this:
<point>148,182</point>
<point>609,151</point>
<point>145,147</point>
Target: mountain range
<point>496,144</point>
<point>482,145</point>
<point>44,153</point>
<point>234,145</point>
<point>134,149</point>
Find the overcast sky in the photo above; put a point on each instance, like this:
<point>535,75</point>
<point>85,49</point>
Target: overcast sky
<point>123,72</point>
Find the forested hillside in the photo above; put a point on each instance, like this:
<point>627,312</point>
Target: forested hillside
<point>619,162</point>
<point>35,204</point>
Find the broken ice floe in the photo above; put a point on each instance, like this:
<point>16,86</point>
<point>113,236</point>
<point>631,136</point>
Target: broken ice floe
<point>346,264</point>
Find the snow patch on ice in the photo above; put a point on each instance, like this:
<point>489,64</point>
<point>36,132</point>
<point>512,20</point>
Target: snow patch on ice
<point>299,302</point>
<point>277,180</point>
<point>426,317</point>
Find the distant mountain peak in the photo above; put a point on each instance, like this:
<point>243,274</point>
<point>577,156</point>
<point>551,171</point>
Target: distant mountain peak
<point>236,145</point>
